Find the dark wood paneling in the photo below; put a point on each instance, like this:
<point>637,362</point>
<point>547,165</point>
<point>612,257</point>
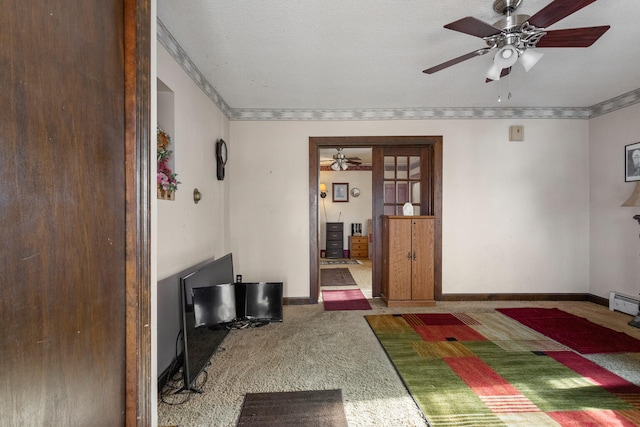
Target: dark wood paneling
<point>65,213</point>
<point>138,156</point>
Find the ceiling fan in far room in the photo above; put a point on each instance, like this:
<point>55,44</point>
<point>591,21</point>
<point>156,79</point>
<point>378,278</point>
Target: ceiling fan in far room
<point>515,36</point>
<point>340,162</point>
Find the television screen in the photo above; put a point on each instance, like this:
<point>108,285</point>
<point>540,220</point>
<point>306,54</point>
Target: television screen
<point>213,305</point>
<point>263,301</point>
<point>217,272</point>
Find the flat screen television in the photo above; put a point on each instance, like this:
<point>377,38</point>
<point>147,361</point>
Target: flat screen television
<point>259,301</point>
<point>200,343</point>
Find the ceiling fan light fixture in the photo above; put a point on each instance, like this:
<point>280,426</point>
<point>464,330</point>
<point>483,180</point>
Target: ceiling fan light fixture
<point>529,58</point>
<point>335,166</point>
<point>506,57</point>
<point>344,165</point>
<point>494,72</point>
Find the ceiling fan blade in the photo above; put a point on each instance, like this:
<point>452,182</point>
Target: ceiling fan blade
<point>572,37</point>
<point>473,26</point>
<point>503,73</point>
<point>457,60</point>
<point>557,10</point>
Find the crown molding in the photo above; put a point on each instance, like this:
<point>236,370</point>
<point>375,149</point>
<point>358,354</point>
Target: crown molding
<point>176,51</point>
<point>613,104</point>
<point>256,114</point>
<point>411,114</point>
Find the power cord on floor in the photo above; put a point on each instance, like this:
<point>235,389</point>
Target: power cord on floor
<point>173,392</point>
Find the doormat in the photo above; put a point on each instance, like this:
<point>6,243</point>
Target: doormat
<point>466,369</point>
<point>299,408</point>
<point>339,261</point>
<point>336,277</point>
<point>575,332</point>
<point>349,299</point>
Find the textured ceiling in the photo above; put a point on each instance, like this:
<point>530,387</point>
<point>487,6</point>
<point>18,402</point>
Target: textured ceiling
<point>369,54</point>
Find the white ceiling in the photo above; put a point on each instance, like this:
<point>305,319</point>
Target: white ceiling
<point>369,54</point>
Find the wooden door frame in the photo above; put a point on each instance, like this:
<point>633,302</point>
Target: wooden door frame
<point>315,144</point>
<point>138,192</point>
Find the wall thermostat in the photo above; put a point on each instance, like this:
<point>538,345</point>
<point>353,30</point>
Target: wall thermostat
<point>516,133</point>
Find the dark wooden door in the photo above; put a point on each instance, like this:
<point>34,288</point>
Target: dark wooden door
<point>407,173</point>
<point>63,176</point>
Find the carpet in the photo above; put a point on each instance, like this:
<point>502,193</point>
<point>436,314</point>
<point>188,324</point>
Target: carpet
<point>298,408</point>
<point>575,332</point>
<point>349,299</point>
<point>476,369</point>
<point>340,261</point>
<point>336,277</point>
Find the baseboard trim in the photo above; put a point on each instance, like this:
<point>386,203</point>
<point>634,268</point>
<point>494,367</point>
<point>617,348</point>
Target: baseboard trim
<point>598,300</point>
<point>296,301</point>
<point>516,297</point>
<point>493,297</point>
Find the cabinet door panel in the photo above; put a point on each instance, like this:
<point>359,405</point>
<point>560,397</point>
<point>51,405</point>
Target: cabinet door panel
<point>423,256</point>
<point>399,259</point>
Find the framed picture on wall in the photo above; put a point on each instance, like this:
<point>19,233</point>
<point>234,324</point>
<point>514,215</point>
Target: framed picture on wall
<point>340,192</point>
<point>632,162</point>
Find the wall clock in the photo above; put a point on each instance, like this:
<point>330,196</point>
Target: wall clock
<point>221,158</point>
<point>355,192</point>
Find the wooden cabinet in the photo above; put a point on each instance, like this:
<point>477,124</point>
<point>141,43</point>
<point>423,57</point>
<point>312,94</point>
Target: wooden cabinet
<point>335,240</point>
<point>358,247</point>
<point>408,260</point>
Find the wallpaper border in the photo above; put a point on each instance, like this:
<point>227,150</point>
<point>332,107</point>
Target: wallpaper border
<point>248,114</point>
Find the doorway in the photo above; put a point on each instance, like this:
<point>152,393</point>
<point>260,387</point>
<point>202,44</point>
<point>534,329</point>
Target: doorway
<point>344,219</point>
<point>315,144</point>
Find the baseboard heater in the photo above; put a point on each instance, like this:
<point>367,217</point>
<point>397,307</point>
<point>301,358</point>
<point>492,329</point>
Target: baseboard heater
<point>624,303</point>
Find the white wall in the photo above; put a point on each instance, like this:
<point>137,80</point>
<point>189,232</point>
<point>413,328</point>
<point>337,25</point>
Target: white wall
<point>615,245</point>
<point>356,210</point>
<point>515,215</point>
<point>189,233</point>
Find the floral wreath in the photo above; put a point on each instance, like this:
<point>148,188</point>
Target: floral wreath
<point>166,178</point>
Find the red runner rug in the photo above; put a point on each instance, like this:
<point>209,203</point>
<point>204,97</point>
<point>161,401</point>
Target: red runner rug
<point>575,332</point>
<point>349,299</point>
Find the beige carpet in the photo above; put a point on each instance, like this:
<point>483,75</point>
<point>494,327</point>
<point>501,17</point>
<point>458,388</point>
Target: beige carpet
<point>315,350</point>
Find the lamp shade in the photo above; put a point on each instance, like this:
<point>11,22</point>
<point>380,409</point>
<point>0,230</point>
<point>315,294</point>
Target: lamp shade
<point>634,199</point>
<point>323,188</point>
<point>335,166</point>
<point>529,58</point>
<point>494,72</point>
<point>506,57</point>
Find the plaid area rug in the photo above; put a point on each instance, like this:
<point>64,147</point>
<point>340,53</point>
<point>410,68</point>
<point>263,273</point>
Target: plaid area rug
<point>487,369</point>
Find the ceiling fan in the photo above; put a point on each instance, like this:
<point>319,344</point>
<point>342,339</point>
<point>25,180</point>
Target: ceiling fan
<point>515,36</point>
<point>340,161</point>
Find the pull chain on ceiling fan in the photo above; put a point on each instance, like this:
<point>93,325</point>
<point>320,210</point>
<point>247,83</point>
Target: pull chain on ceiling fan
<point>517,35</point>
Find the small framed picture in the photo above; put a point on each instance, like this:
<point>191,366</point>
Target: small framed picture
<point>632,162</point>
<point>340,192</point>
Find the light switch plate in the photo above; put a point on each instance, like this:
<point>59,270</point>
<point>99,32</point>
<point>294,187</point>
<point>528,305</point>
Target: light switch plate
<point>516,133</point>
